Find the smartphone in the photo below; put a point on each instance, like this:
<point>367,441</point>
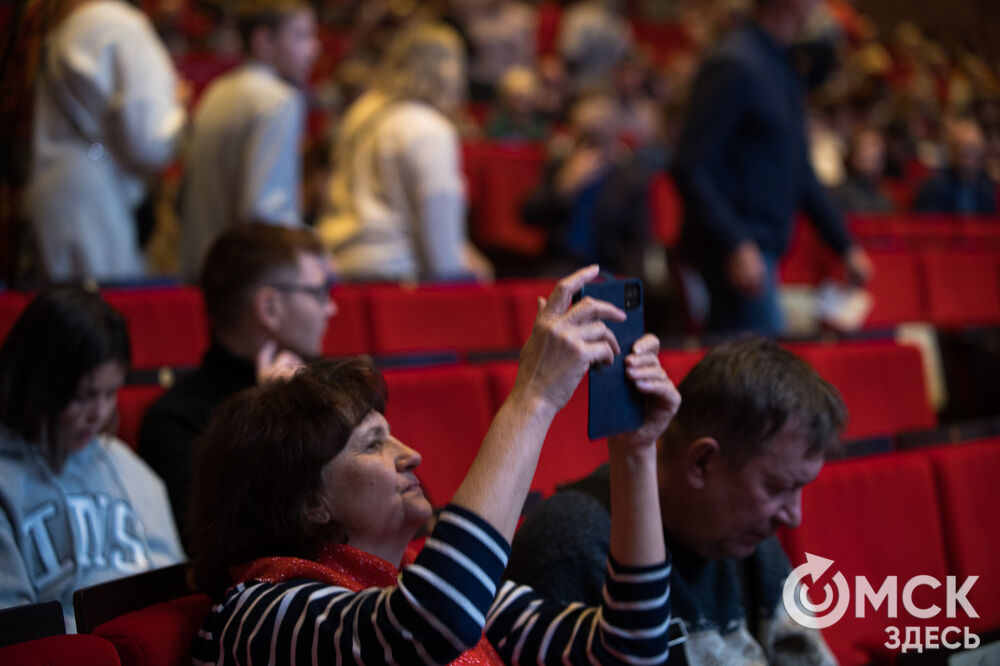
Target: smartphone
<point>615,405</point>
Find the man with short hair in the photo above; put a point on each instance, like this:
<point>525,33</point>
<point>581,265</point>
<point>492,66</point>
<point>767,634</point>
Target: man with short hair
<point>754,427</point>
<point>243,161</point>
<point>742,168</point>
<point>267,297</point>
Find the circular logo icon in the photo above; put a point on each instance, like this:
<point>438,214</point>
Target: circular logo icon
<point>799,607</point>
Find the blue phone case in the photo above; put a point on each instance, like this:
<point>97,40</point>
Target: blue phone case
<point>615,405</point>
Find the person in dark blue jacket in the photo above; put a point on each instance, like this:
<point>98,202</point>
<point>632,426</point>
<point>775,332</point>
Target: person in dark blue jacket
<point>742,168</point>
<point>963,186</point>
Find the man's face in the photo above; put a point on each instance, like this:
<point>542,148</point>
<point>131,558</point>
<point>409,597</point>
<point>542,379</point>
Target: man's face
<point>295,47</point>
<point>739,508</point>
<point>306,307</point>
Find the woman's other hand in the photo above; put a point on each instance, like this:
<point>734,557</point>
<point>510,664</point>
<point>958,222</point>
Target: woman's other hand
<point>643,368</point>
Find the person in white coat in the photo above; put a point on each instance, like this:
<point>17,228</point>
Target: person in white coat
<point>108,116</point>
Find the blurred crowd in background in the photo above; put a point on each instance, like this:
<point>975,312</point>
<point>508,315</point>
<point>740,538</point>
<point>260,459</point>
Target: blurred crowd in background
<point>603,84</point>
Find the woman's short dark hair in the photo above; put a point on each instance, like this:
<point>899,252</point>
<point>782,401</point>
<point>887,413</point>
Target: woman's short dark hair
<point>260,461</point>
<point>64,334</point>
<point>744,393</point>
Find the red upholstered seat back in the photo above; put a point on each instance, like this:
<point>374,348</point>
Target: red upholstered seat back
<point>76,649</point>
<point>678,362</point>
<point>12,303</point>
<point>159,635</point>
<point>963,288</point>
<point>464,317</point>
<point>167,326</point>
<point>500,176</point>
<point>349,331</point>
<point>523,295</point>
<point>874,517</point>
<point>443,413</point>
<point>567,454</point>
<point>897,289</point>
<point>967,476</point>
<point>882,383</point>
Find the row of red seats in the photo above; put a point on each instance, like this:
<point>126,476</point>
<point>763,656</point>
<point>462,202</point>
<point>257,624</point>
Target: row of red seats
<point>944,271</point>
<point>904,514</point>
<point>168,327</point>
<point>444,411</point>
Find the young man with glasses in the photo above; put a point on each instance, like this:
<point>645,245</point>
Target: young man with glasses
<point>267,298</point>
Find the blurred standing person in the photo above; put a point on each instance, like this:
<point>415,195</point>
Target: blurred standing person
<point>742,167</point>
<point>395,205</point>
<point>244,163</point>
<point>108,115</point>
<point>501,34</point>
<point>963,186</point>
<point>594,196</point>
<point>594,38</point>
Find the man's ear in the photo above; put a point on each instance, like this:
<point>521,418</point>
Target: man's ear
<point>701,460</point>
<point>267,308</point>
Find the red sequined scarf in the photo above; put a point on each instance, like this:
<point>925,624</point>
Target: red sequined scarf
<point>355,570</point>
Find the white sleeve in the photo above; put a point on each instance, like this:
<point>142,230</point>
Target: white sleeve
<point>432,171</point>
<point>144,119</point>
<point>272,163</point>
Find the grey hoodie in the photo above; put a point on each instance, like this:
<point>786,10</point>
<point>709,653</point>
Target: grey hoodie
<point>106,515</point>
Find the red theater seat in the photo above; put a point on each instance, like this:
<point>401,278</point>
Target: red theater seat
<point>12,303</point>
<point>963,288</point>
<point>158,635</point>
<point>500,176</point>
<point>882,383</point>
<point>897,289</point>
<point>443,413</point>
<point>349,332</point>
<point>806,260</point>
<point>925,231</point>
<point>79,650</point>
<point>133,401</point>
<point>461,317</point>
<point>568,454</point>
<point>523,296</point>
<point>874,517</point>
<point>166,325</point>
<point>678,362</point>
<point>967,477</point>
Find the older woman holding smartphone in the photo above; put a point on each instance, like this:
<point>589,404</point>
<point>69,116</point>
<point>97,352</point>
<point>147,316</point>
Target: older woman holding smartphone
<point>305,504</point>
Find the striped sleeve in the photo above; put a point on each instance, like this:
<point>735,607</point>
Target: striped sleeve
<point>629,627</point>
<point>435,611</point>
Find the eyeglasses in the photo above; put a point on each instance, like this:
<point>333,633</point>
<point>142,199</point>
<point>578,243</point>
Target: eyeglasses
<point>319,292</point>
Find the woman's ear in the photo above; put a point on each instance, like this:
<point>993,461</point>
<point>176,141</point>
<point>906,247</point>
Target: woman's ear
<point>315,512</point>
<point>700,461</point>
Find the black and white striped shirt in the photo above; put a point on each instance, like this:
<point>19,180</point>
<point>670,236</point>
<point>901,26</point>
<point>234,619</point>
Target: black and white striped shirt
<point>437,610</point>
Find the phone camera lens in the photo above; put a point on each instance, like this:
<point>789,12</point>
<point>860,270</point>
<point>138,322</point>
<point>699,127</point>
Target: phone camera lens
<point>631,296</point>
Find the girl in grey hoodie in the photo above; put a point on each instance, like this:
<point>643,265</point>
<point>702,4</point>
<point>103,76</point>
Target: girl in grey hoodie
<point>77,507</point>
